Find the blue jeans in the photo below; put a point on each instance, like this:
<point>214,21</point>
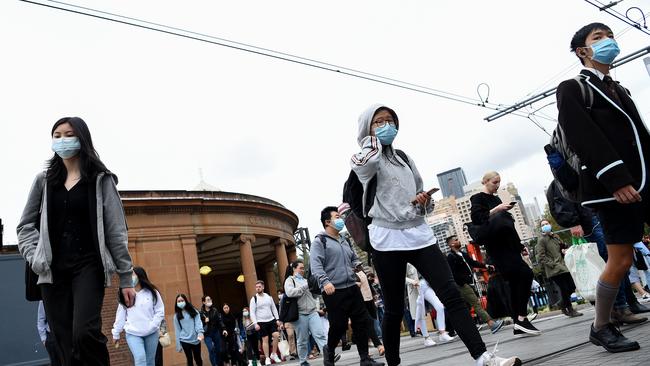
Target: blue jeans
<point>213,342</point>
<point>597,235</point>
<point>143,349</point>
<point>305,325</point>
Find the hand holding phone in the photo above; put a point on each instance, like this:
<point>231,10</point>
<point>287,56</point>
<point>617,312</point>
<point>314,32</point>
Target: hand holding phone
<point>429,192</point>
<point>512,204</point>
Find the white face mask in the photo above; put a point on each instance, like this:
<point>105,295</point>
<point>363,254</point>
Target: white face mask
<point>245,313</point>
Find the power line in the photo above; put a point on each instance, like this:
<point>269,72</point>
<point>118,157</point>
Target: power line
<point>608,8</point>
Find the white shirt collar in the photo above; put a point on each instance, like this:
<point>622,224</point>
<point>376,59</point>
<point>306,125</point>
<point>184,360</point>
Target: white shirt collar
<point>595,72</point>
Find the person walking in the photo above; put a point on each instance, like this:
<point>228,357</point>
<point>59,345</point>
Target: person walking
<point>213,328</point>
<point>296,286</point>
<point>399,233</point>
<point>140,322</point>
<point>188,330</point>
<point>369,301</point>
<point>288,327</point>
<point>73,235</point>
<point>332,262</point>
<point>427,294</point>
<point>611,141</point>
<point>549,255</point>
<point>493,226</point>
<point>264,315</point>
<point>461,265</point>
<point>230,352</point>
<point>252,338</point>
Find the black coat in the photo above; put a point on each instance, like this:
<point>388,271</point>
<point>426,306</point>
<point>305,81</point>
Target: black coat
<point>460,269</point>
<point>609,140</point>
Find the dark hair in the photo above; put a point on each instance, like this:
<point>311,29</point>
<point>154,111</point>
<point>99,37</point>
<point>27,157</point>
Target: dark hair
<point>288,271</point>
<point>580,37</point>
<point>326,214</point>
<point>259,281</point>
<point>89,162</point>
<point>143,279</point>
<point>450,237</point>
<point>188,307</point>
<point>203,301</point>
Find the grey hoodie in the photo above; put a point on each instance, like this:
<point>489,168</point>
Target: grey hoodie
<point>333,263</point>
<point>397,185</point>
<point>35,245</point>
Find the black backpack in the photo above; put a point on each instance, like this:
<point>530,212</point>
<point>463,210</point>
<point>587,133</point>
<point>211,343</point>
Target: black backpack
<point>563,210</point>
<point>357,219</point>
<point>566,176</point>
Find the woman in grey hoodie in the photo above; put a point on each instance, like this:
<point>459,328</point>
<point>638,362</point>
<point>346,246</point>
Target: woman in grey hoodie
<point>73,235</point>
<point>399,234</point>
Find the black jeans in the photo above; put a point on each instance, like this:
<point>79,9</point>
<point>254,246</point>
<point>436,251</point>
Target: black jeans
<point>565,283</point>
<point>53,351</point>
<point>73,305</point>
<point>433,266</point>
<point>192,351</point>
<point>519,277</point>
<point>253,346</point>
<point>344,304</point>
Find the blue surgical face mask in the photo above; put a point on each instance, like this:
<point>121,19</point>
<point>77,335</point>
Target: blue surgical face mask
<point>386,134</point>
<point>605,51</point>
<point>66,147</point>
<point>547,228</point>
<point>338,224</point>
<point>298,275</point>
<point>181,305</point>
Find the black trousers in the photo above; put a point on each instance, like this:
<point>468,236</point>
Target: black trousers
<point>73,305</point>
<point>56,359</point>
<point>192,351</point>
<point>519,276</point>
<point>344,304</point>
<point>566,285</point>
<point>253,351</point>
<point>372,315</point>
<point>433,266</point>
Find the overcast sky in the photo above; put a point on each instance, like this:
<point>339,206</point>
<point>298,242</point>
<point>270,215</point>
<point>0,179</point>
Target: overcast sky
<point>162,107</point>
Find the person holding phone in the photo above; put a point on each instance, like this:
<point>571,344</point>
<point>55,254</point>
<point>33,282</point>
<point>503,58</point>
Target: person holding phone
<point>496,226</point>
<point>399,234</point>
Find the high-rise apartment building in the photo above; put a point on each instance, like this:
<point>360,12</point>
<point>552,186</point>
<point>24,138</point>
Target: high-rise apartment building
<point>452,182</point>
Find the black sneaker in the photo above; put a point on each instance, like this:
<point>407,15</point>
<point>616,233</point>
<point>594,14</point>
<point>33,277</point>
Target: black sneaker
<point>328,357</point>
<point>524,327</point>
<point>612,340</point>
<point>368,361</point>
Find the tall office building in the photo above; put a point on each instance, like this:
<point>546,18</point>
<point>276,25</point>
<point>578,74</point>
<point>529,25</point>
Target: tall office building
<point>452,182</point>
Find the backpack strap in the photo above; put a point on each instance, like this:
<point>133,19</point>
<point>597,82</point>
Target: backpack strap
<point>404,157</point>
<point>322,240</point>
<point>585,91</point>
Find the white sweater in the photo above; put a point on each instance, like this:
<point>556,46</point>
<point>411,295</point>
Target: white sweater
<point>141,319</point>
<point>263,310</point>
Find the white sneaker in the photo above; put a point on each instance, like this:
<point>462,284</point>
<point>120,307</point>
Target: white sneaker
<point>275,358</point>
<point>429,342</point>
<point>267,361</point>
<point>444,338</point>
<point>250,362</point>
<point>491,359</point>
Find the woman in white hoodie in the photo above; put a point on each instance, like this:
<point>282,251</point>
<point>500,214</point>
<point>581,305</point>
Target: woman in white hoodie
<point>141,321</point>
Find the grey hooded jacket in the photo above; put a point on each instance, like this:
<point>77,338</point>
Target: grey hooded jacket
<point>35,247</point>
<point>333,262</point>
<point>398,181</point>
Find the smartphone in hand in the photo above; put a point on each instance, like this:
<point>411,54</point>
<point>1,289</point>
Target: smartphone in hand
<point>429,192</point>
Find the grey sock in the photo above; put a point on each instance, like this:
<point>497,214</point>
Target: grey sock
<point>605,297</point>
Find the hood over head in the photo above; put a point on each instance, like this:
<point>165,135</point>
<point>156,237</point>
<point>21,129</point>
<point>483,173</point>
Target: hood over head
<point>365,120</point>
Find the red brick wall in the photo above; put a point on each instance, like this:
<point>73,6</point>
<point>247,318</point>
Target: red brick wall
<point>119,356</point>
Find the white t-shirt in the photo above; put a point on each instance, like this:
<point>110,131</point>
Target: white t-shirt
<point>384,239</point>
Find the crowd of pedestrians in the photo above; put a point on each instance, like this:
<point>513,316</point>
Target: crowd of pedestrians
<point>73,235</point>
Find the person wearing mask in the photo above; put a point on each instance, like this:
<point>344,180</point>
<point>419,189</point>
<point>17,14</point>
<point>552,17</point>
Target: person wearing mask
<point>549,255</point>
<point>140,322</point>
<point>264,315</point>
<point>611,141</point>
<point>73,235</point>
<point>231,353</point>
<point>332,262</point>
<point>296,286</point>
<point>252,337</point>
<point>46,337</point>
<point>212,329</point>
<point>288,327</point>
<point>495,229</point>
<point>461,265</point>
<point>399,233</point>
<point>188,330</point>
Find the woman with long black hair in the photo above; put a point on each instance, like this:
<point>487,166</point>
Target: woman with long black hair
<point>73,234</point>
<point>230,350</point>
<point>213,327</point>
<point>140,322</point>
<point>188,330</point>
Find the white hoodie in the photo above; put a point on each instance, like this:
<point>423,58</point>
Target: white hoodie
<point>141,319</point>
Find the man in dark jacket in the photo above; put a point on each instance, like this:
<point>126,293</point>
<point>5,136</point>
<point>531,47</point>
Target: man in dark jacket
<point>609,138</point>
<point>461,265</point>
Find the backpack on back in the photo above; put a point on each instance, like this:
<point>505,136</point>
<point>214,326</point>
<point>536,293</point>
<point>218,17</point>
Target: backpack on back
<point>566,164</point>
<point>357,220</point>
